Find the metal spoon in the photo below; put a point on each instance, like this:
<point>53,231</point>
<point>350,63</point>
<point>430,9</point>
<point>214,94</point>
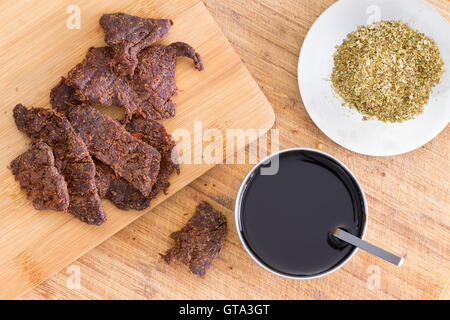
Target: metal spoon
<point>358,242</point>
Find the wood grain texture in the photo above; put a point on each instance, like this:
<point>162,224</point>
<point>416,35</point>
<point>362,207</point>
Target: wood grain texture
<point>408,196</point>
<point>37,49</point>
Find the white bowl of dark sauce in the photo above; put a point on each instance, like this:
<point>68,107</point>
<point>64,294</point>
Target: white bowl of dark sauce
<point>285,217</point>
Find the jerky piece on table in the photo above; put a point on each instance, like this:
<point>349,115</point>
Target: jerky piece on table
<point>128,35</point>
<point>108,141</point>
<point>95,82</point>
<point>36,172</point>
<point>154,134</point>
<point>154,77</point>
<point>200,240</point>
<point>71,158</point>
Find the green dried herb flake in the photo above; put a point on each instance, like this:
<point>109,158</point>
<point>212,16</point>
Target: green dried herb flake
<point>387,70</point>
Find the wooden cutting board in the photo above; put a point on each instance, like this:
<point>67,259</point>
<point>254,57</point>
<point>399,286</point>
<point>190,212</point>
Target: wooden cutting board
<point>37,48</point>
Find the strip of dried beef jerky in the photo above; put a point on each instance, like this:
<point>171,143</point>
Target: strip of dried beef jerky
<point>199,242</point>
<point>71,158</point>
<point>128,35</point>
<point>154,134</point>
<point>154,77</point>
<point>120,191</point>
<point>62,97</point>
<point>94,82</point>
<point>149,92</point>
<point>36,172</point>
<point>108,141</point>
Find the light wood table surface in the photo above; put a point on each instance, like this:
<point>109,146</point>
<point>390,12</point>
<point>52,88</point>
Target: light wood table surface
<point>408,197</point>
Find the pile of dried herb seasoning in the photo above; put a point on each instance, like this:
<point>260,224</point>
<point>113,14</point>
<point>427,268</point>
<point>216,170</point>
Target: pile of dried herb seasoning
<point>387,70</point>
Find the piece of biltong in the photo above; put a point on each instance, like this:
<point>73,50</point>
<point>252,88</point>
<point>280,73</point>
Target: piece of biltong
<point>36,172</point>
<point>62,97</point>
<point>108,141</point>
<point>121,192</point>
<point>199,242</point>
<point>154,78</point>
<point>148,93</point>
<point>118,190</point>
<point>71,158</point>
<point>154,134</point>
<point>128,35</point>
<point>94,82</point>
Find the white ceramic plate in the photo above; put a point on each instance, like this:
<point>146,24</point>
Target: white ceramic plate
<point>345,126</point>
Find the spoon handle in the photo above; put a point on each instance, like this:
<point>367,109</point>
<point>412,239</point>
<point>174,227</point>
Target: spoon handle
<point>358,242</point>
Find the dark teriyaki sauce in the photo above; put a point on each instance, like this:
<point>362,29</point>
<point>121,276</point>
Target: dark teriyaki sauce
<point>286,219</point>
